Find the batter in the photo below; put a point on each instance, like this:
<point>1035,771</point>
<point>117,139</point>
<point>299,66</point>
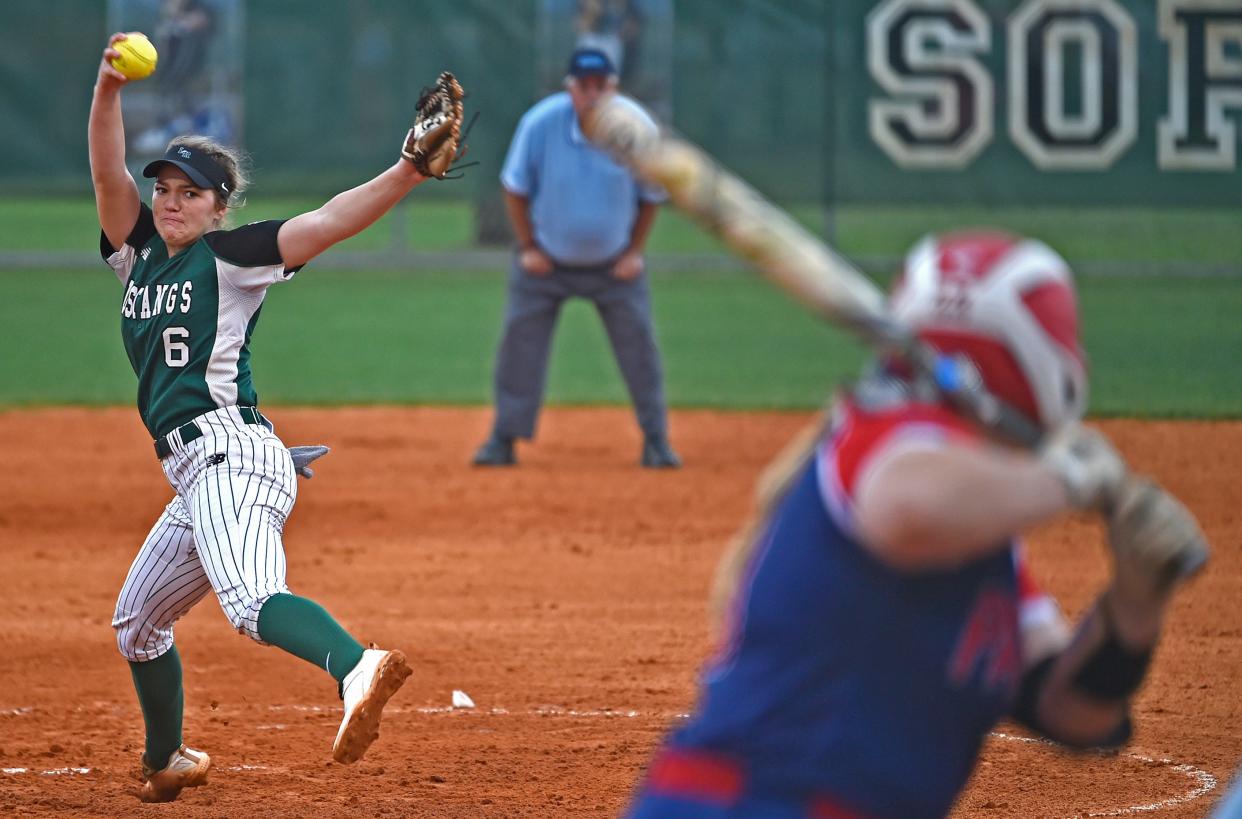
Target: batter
<point>879,618</point>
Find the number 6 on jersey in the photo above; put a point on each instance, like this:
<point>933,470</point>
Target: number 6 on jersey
<point>176,352</point>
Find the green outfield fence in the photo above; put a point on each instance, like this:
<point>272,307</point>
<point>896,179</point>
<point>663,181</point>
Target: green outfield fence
<point>1108,127</point>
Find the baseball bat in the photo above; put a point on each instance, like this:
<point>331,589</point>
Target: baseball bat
<point>787,254</point>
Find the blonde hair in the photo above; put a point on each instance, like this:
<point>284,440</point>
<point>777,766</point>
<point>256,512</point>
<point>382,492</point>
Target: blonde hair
<point>231,160</point>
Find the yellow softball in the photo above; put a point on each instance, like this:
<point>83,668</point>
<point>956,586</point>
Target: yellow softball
<point>138,56</point>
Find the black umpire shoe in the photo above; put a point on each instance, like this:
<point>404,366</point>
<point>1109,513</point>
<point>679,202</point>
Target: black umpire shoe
<point>496,451</point>
<point>657,454</point>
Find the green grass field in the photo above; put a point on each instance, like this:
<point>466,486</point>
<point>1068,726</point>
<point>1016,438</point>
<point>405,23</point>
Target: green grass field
<point>1185,236</point>
<point>1159,346</point>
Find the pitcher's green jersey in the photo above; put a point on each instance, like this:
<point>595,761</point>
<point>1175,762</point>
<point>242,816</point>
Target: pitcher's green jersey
<point>186,321</point>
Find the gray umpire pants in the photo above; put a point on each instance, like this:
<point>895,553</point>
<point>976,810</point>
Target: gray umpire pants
<point>534,304</point>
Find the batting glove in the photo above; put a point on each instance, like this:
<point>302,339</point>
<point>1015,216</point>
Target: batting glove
<point>1087,465</point>
<point>1156,542</point>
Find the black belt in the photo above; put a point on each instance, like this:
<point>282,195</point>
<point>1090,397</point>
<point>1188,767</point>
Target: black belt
<point>190,431</point>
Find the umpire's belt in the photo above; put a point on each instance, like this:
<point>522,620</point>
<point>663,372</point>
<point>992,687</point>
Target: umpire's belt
<point>190,431</point>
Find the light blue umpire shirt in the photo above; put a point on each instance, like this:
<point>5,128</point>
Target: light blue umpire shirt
<point>582,203</point>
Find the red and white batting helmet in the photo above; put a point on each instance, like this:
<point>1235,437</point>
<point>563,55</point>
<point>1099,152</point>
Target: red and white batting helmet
<point>1007,303</point>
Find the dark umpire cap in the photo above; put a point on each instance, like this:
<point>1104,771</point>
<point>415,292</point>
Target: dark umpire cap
<point>203,171</point>
<point>590,62</point>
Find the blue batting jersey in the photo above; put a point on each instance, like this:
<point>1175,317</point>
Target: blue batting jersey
<point>844,683</point>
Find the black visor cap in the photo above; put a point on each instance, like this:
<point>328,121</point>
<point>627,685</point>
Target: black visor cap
<point>203,171</point>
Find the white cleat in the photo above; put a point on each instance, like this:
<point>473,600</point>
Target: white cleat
<point>186,768</point>
<point>365,690</point>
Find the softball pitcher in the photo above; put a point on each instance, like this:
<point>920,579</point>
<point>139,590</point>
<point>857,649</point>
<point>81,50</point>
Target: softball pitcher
<point>193,293</point>
<point>880,618</point>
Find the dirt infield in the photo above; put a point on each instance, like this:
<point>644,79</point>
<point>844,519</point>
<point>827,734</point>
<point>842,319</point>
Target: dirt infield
<point>564,596</point>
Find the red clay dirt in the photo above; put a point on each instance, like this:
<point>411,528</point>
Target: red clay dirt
<point>565,596</point>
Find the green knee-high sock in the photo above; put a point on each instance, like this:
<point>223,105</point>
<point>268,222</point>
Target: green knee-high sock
<point>303,628</point>
<point>158,683</point>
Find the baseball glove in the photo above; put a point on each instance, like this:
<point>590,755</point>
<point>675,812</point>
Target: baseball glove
<point>433,144</point>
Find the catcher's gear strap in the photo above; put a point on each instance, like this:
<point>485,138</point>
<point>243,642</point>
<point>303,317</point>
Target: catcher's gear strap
<point>1026,710</point>
<point>1113,671</point>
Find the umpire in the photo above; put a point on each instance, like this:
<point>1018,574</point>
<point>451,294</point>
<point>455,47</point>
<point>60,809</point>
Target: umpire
<point>581,221</point>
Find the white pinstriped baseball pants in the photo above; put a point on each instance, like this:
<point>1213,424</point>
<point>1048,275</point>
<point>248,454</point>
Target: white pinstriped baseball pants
<point>222,532</point>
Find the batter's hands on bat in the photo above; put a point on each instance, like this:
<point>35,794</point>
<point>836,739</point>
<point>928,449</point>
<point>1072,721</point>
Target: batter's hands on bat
<point>433,143</point>
<point>535,262</point>
<point>1087,465</point>
<point>303,456</point>
<point>1156,543</point>
<point>629,266</point>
